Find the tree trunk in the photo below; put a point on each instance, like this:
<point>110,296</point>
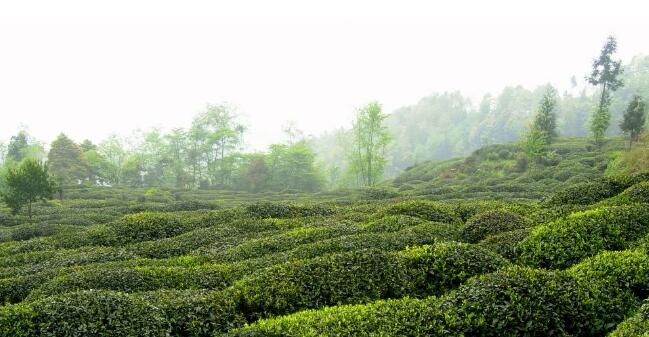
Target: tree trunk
<point>29,211</point>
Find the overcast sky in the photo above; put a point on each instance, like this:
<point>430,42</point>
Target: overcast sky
<point>90,68</point>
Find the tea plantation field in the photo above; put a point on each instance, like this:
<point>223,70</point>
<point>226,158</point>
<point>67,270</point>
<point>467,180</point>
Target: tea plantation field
<point>379,262</point>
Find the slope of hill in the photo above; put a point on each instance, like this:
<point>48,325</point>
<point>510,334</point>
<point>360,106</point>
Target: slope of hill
<point>126,262</point>
<point>503,171</point>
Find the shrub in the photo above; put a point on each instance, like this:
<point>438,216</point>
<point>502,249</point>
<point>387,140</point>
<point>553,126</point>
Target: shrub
<point>562,243</point>
<point>151,226</point>
<point>427,210</point>
<point>131,279</point>
<point>506,244</point>
<point>285,210</point>
<point>616,282</point>
<point>591,192</point>
<point>98,313</point>
<point>392,223</point>
<point>636,325</point>
<point>354,277</point>
<point>435,269</point>
<point>189,205</point>
<point>16,321</point>
<point>587,193</point>
<point>492,222</point>
<point>402,317</point>
<point>638,193</point>
<point>513,302</point>
<point>283,241</point>
<point>196,313</point>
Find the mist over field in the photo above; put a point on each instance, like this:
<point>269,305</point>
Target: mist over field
<point>299,168</point>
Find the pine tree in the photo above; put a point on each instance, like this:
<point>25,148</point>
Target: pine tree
<point>545,121</point>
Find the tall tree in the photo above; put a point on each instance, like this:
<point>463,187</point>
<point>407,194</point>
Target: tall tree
<point>634,118</point>
<point>26,184</point>
<point>605,74</point>
<point>65,160</point>
<point>370,137</point>
<point>214,134</point>
<point>18,145</point>
<point>113,152</point>
<point>545,121</point>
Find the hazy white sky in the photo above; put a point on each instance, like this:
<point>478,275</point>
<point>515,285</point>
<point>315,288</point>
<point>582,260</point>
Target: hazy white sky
<point>91,68</point>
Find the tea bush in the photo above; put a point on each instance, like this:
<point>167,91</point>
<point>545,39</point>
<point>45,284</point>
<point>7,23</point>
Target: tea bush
<point>562,243</point>
<point>428,210</point>
<point>637,325</point>
<point>493,222</point>
<point>88,313</point>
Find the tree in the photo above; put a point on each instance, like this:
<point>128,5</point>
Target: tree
<point>293,167</point>
<point>534,144</point>
<point>257,174</point>
<point>370,139</point>
<point>66,161</point>
<point>26,184</point>
<point>112,150</point>
<point>214,134</point>
<point>545,121</point>
<point>17,148</point>
<point>633,121</point>
<point>605,74</point>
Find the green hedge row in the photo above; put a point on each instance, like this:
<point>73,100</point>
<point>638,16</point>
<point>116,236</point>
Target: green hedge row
<point>590,299</point>
<point>637,325</point>
<point>591,192</point>
<point>355,277</point>
<point>133,279</point>
<point>428,210</point>
<point>492,222</point>
<point>563,243</point>
<point>88,313</point>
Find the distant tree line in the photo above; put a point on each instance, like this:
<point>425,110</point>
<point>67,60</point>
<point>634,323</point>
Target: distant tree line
<point>210,154</point>
<point>447,125</point>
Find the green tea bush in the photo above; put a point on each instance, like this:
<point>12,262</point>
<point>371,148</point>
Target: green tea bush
<point>132,279</point>
<point>285,210</point>
<point>434,269</point>
<point>189,205</point>
<point>513,302</point>
<point>391,223</point>
<point>563,243</point>
<point>354,277</point>
<point>510,302</point>
<point>97,313</point>
<point>150,226</point>
<point>16,321</point>
<point>591,192</point>
<point>196,313</point>
<point>638,193</point>
<point>402,317</point>
<point>616,283</point>
<point>506,244</point>
<point>636,325</point>
<point>428,210</point>
<point>283,241</point>
<point>493,222</point>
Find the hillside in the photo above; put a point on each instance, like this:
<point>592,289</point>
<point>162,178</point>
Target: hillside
<point>384,261</point>
<point>503,172</point>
